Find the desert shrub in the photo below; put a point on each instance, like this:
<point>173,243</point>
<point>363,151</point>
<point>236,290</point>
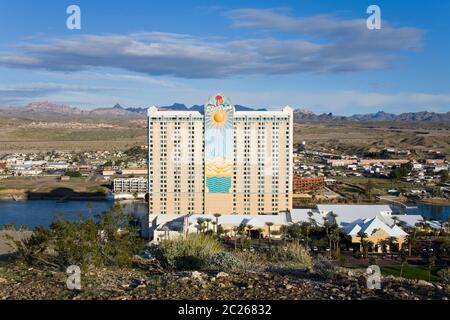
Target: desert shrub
<point>32,250</point>
<point>191,253</point>
<point>291,252</point>
<point>224,261</point>
<point>109,240</point>
<point>250,260</point>
<point>325,268</point>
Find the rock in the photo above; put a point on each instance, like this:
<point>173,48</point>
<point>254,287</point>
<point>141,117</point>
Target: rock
<point>288,287</point>
<point>3,280</point>
<point>197,275</point>
<point>425,283</point>
<point>222,275</point>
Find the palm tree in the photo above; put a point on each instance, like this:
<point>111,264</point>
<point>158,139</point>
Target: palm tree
<point>334,216</point>
<point>200,222</point>
<point>336,233</point>
<point>369,245</point>
<point>383,245</point>
<point>249,228</point>
<point>431,264</point>
<point>306,228</point>
<point>260,231</point>
<point>312,221</point>
<point>327,226</point>
<point>269,224</point>
<point>391,242</point>
<point>362,242</point>
<point>235,230</point>
<point>411,238</point>
<point>217,216</point>
<point>395,219</point>
<point>207,224</point>
<point>401,223</point>
<point>404,261</point>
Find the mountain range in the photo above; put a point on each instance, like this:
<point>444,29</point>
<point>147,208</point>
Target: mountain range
<point>41,110</point>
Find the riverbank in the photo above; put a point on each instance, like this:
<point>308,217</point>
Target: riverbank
<point>62,194</point>
<point>407,201</point>
<point>436,201</point>
<point>52,188</point>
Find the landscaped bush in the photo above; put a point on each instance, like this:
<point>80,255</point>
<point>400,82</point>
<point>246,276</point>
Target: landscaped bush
<point>224,261</point>
<point>191,253</point>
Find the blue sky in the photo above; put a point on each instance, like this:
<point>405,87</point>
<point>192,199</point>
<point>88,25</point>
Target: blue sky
<point>316,55</point>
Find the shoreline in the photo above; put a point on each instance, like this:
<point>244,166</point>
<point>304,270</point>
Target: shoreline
<point>61,195</point>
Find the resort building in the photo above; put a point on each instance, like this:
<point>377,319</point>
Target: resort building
<point>220,160</point>
<point>130,188</point>
<point>376,221</point>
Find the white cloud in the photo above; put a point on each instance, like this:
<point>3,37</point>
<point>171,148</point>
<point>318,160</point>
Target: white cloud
<point>338,45</point>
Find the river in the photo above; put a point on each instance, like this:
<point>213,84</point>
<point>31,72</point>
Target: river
<point>42,212</point>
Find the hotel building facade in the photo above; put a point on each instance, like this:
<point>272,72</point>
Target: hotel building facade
<point>220,160</point>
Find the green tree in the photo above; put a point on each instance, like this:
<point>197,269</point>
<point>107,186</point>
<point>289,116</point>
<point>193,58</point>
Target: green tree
<point>294,231</point>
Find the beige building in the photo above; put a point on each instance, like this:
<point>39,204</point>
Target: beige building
<point>220,160</point>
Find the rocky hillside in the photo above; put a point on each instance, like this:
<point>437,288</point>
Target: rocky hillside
<point>29,283</point>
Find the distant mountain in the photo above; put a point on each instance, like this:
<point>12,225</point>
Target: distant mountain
<point>302,115</point>
<point>196,107</point>
<point>42,110</point>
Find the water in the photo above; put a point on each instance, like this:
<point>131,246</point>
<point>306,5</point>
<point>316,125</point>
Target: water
<point>43,212</point>
<point>432,212</point>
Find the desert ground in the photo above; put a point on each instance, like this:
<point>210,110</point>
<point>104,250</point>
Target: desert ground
<point>24,135</point>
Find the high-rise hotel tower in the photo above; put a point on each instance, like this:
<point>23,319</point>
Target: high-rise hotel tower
<point>220,160</point>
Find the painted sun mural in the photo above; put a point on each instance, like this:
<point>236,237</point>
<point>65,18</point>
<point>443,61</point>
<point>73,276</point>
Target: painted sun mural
<point>218,144</point>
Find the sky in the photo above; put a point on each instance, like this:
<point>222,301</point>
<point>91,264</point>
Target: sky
<point>317,55</point>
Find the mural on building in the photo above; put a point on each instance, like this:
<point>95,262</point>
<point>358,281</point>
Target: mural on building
<point>218,144</point>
